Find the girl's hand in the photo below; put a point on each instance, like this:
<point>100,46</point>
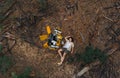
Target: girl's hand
<point>67,36</point>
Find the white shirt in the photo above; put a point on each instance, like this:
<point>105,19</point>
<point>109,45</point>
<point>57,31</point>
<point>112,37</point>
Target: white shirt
<point>68,45</point>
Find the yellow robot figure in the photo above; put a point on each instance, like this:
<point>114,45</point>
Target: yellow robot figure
<point>54,40</point>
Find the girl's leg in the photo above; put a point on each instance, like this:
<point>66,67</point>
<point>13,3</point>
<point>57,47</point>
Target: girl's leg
<point>62,59</point>
<point>64,55</point>
<point>60,52</point>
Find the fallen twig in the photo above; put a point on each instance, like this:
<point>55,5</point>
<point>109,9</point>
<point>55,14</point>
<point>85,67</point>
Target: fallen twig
<point>83,39</point>
<point>108,18</point>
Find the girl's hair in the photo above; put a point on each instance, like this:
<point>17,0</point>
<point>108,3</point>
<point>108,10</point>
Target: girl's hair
<point>72,40</point>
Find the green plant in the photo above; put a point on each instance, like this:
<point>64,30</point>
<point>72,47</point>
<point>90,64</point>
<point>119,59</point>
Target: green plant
<point>1,17</point>
<point>25,73</point>
<point>43,4</point>
<point>89,55</point>
<point>92,54</point>
<point>0,48</point>
<point>70,60</point>
<point>14,75</point>
<point>5,63</point>
<point>1,27</point>
<point>100,55</point>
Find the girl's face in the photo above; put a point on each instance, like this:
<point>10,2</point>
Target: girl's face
<point>70,39</point>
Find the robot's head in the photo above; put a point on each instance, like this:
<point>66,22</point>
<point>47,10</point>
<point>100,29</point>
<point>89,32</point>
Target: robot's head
<point>57,31</point>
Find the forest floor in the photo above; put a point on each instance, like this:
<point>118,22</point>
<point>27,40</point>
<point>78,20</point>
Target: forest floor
<point>86,25</point>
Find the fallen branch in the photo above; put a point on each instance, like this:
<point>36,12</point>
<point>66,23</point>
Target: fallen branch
<point>9,36</point>
<point>108,18</point>
<point>8,12</point>
<point>6,28</point>
<point>83,39</point>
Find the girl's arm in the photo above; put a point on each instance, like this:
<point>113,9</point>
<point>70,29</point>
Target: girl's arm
<point>66,38</point>
<point>72,50</point>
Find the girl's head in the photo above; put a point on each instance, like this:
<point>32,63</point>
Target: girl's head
<point>71,39</point>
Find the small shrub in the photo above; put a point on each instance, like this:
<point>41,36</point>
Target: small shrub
<point>5,63</point>
<point>92,54</point>
<point>0,48</point>
<point>1,27</point>
<point>70,60</point>
<point>43,4</point>
<point>89,55</point>
<point>25,73</point>
<point>1,17</point>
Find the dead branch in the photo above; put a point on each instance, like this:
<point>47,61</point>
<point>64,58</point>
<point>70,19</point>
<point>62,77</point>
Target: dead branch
<point>8,11</point>
<point>6,28</point>
<point>108,18</point>
<point>9,36</point>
